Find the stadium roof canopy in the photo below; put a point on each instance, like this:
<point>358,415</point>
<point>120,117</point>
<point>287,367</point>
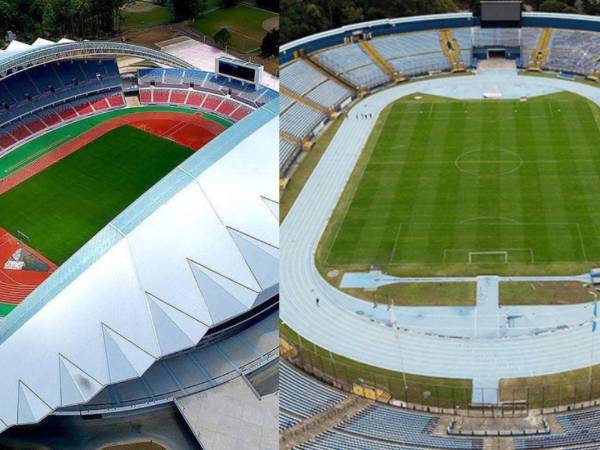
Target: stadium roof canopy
<point>19,56</point>
<point>196,250</point>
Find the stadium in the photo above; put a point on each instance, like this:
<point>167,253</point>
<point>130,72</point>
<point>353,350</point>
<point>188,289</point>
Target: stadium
<point>138,248</point>
<point>439,236</point>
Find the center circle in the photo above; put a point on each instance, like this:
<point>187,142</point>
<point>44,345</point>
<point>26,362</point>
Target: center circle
<point>488,163</point>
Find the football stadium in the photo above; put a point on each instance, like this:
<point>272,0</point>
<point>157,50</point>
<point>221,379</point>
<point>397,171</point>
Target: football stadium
<point>138,249</point>
<point>440,247</point>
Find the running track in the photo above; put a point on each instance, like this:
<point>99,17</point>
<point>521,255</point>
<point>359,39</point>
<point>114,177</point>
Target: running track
<point>337,328</point>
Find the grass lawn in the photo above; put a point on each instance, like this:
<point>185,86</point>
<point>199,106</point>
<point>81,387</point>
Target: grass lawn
<point>443,392</point>
<point>454,187</point>
<point>545,293</point>
<point>245,24</point>
<point>61,208</point>
<point>420,294</point>
<point>147,17</point>
<point>555,389</point>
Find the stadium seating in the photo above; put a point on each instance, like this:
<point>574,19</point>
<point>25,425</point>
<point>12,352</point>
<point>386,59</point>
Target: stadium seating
<point>299,120</point>
<point>52,83</point>
<point>375,427</point>
<point>402,427</point>
<point>575,52</point>
<point>219,104</point>
<point>28,125</point>
<point>496,37</point>
<point>303,79</point>
<point>303,396</point>
<point>286,421</point>
<point>287,154</point>
<point>580,428</point>
<point>208,82</point>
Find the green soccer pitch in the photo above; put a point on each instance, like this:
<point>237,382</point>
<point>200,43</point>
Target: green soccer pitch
<point>473,187</point>
<point>64,206</point>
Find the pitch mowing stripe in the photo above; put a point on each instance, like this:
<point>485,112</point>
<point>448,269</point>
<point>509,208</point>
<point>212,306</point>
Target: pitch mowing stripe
<point>411,202</point>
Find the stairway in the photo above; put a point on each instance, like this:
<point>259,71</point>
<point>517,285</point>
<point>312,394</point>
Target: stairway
<point>303,100</point>
<point>329,74</point>
<point>381,61</point>
<point>542,51</point>
<point>451,49</point>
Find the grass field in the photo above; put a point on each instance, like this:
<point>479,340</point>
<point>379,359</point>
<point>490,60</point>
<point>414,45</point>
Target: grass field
<point>555,389</point>
<point>546,293</point>
<point>62,207</point>
<point>420,294</point>
<point>245,24</point>
<point>144,15</point>
<point>473,187</point>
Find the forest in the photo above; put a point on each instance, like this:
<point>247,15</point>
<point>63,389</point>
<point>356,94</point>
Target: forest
<point>304,17</point>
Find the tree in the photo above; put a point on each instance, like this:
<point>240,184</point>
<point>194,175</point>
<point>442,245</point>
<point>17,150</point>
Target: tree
<point>223,37</point>
<point>187,9</point>
<point>553,6</point>
<point>270,44</point>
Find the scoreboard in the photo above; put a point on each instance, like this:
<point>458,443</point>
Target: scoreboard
<point>500,13</point>
<point>239,70</point>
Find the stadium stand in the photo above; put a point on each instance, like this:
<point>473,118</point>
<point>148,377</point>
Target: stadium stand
<point>354,65</point>
<point>55,93</point>
<point>34,123</point>
<point>402,427</point>
<point>208,82</point>
<point>580,428</point>
<point>303,396</point>
<point>376,426</point>
<point>300,120</point>
<point>231,109</point>
<point>575,52</point>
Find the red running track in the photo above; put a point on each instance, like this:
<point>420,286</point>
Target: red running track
<point>192,131</point>
<point>15,285</point>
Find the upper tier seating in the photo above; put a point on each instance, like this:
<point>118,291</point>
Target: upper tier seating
<point>400,45</point>
<point>303,79</point>
<point>49,84</point>
<point>352,64</point>
<point>255,96</point>
<point>300,77</point>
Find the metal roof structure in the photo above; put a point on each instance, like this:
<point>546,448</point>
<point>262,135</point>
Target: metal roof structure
<point>19,56</point>
<point>199,248</point>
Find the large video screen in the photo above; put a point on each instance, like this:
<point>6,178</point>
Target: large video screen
<point>501,11</point>
<point>234,70</point>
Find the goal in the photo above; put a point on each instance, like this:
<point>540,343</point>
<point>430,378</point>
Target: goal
<point>497,257</point>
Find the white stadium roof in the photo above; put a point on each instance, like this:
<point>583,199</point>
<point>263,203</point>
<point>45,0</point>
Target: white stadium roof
<point>199,248</point>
